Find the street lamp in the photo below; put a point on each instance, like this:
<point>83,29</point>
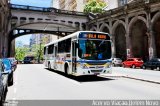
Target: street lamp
<point>39,51</point>
<point>39,54</point>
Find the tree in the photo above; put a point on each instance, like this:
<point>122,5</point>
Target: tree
<point>21,52</point>
<point>37,52</point>
<point>94,6</point>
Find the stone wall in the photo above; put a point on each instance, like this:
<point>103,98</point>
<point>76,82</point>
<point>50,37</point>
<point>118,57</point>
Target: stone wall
<point>4,27</point>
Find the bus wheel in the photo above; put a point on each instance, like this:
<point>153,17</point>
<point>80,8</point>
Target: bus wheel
<point>66,69</point>
<point>143,67</point>
<point>158,68</point>
<point>123,65</point>
<point>133,66</point>
<point>49,66</point>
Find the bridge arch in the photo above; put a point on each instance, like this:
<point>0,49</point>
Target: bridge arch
<point>26,32</point>
<point>19,33</point>
<point>155,25</point>
<point>139,39</point>
<point>105,28</point>
<point>93,28</point>
<point>20,21</point>
<point>44,20</point>
<point>52,24</point>
<point>119,38</point>
<point>45,27</point>
<point>135,19</point>
<point>22,14</point>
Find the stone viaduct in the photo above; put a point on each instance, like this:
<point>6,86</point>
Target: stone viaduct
<point>135,29</point>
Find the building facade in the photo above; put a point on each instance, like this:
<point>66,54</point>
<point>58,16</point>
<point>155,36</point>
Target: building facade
<point>4,27</point>
<point>71,5</point>
<point>78,5</point>
<point>37,39</point>
<point>68,4</point>
<point>111,4</point>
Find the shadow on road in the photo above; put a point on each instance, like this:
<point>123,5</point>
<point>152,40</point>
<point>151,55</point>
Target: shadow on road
<point>86,78</point>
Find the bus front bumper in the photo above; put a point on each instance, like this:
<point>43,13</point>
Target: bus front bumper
<point>81,72</point>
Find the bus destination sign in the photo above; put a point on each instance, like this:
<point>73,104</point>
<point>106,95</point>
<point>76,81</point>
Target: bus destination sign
<point>94,36</point>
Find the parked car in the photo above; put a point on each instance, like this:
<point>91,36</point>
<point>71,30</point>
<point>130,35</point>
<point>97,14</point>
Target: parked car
<point>3,83</point>
<point>133,62</point>
<point>9,69</point>
<point>13,62</point>
<point>153,64</point>
<point>29,59</point>
<point>116,62</point>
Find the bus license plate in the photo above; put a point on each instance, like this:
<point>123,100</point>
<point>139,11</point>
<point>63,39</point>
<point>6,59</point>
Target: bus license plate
<point>96,73</point>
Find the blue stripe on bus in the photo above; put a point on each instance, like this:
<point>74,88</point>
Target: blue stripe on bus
<point>91,61</point>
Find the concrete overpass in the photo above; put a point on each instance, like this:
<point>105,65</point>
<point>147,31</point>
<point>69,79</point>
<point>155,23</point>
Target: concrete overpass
<point>29,19</point>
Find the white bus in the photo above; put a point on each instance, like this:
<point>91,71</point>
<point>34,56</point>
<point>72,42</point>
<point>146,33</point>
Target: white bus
<point>80,53</point>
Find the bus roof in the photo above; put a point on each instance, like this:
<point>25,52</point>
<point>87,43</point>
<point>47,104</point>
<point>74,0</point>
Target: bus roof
<point>72,35</point>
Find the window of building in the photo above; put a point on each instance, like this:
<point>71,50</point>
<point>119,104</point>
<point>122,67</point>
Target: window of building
<point>122,2</point>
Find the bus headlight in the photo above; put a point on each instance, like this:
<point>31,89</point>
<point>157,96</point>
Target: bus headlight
<point>84,66</point>
<point>108,65</point>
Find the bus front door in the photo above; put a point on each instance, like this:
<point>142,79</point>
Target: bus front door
<point>55,56</point>
<point>74,52</point>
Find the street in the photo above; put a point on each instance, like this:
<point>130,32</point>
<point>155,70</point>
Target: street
<point>80,37</point>
<point>34,82</point>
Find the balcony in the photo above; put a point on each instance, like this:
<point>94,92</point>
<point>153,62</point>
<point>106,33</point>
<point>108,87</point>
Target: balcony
<point>129,1</point>
<point>72,6</point>
<point>62,4</point>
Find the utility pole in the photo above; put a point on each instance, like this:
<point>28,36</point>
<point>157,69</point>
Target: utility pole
<point>39,53</point>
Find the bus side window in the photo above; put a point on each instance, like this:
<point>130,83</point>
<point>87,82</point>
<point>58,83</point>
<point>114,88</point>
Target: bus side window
<point>68,45</point>
<point>50,49</point>
<point>44,51</point>
<point>61,47</point>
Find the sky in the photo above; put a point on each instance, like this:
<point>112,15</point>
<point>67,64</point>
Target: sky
<point>37,3</point>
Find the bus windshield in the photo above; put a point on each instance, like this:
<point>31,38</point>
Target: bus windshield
<point>94,49</point>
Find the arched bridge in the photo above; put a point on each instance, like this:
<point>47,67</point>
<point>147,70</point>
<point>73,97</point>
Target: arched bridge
<point>30,19</point>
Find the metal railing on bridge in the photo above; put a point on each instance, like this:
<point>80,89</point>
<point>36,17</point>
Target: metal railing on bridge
<point>45,9</point>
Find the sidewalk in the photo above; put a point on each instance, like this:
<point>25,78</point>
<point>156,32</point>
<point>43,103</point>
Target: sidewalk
<point>138,74</point>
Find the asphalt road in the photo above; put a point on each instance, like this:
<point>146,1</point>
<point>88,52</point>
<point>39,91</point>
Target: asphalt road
<point>34,82</point>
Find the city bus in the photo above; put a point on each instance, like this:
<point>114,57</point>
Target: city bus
<point>80,53</point>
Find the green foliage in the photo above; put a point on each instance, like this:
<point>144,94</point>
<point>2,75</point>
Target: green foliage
<point>35,50</point>
<point>94,6</point>
<point>21,52</point>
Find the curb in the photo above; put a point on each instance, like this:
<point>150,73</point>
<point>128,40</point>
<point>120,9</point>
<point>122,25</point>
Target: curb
<point>129,77</point>
<point>113,76</point>
<point>142,79</point>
